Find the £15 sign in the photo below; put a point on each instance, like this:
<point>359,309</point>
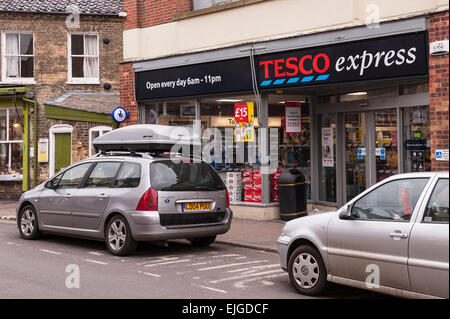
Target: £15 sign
<point>243,112</point>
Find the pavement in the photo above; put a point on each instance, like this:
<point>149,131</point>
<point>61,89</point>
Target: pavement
<point>260,235</point>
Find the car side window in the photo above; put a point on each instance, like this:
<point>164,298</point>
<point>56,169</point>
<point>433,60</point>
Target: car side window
<point>103,174</point>
<point>73,176</point>
<point>129,176</point>
<point>437,208</point>
<point>393,201</point>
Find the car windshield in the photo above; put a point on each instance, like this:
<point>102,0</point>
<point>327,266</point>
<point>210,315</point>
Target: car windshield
<point>181,176</point>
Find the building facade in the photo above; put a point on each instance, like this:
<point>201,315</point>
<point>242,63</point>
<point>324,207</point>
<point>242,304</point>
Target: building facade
<point>59,83</point>
<point>351,89</point>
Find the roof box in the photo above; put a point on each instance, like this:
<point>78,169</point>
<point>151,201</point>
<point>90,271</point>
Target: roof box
<point>146,138</point>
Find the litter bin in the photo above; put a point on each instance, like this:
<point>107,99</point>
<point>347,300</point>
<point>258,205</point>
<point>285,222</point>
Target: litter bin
<point>292,194</point>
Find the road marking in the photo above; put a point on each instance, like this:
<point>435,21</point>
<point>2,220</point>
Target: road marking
<point>238,258</point>
<point>157,260</point>
<point>50,252</point>
<point>168,262</point>
<point>96,262</point>
<point>254,268</point>
<point>149,274</point>
<point>246,276</point>
<point>229,255</point>
<point>213,289</point>
<point>232,265</point>
<point>10,243</point>
<point>95,253</point>
<point>241,284</point>
<point>198,264</point>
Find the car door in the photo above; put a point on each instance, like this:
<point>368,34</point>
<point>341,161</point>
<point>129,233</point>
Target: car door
<point>55,204</point>
<point>92,198</point>
<point>428,262</point>
<point>371,246</point>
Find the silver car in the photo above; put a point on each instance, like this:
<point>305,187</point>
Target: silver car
<point>128,198</point>
<point>393,238</point>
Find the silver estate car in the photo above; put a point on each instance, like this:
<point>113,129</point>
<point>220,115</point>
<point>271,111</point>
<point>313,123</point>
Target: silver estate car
<point>393,238</point>
<point>125,199</point>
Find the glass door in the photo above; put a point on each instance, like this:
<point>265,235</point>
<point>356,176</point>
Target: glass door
<point>386,144</point>
<point>355,154</point>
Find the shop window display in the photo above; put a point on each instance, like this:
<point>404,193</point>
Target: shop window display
<point>416,131</point>
<point>327,158</point>
<point>242,170</point>
<point>11,150</point>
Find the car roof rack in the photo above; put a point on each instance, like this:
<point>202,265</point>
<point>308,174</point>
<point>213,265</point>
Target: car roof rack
<point>122,153</point>
<point>147,138</point>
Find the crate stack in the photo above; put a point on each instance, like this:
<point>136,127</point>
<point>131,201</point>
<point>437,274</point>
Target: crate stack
<point>252,186</point>
<point>274,177</point>
<point>234,186</point>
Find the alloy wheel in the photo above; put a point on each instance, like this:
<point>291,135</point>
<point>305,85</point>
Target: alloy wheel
<point>27,222</point>
<point>117,235</point>
<point>305,270</point>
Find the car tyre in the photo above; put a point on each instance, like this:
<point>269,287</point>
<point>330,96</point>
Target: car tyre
<point>28,223</point>
<point>307,271</point>
<point>202,241</point>
<point>118,237</point>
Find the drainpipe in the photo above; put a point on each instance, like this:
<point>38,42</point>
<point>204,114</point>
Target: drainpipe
<point>35,118</point>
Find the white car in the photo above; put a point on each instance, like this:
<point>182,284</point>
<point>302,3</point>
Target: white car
<point>392,238</point>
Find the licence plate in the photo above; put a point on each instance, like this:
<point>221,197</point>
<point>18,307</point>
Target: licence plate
<point>196,206</point>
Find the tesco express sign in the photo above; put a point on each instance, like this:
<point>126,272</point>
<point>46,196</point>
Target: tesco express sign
<point>356,61</point>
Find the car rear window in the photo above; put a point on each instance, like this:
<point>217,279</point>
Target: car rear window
<point>181,176</point>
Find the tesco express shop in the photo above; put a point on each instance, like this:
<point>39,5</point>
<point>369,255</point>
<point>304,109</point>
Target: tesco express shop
<point>362,107</point>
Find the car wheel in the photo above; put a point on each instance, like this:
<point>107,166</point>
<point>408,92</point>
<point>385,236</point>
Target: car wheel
<point>203,241</point>
<point>28,223</point>
<point>118,237</point>
<point>307,271</point>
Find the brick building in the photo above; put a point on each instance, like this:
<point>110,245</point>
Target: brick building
<point>59,83</point>
<point>372,96</point>
<point>373,99</point>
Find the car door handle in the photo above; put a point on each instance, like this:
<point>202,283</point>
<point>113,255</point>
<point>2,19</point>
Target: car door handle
<point>101,196</point>
<point>67,195</point>
<point>398,234</point>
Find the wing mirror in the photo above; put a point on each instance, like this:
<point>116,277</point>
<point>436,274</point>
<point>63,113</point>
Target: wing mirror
<point>346,212</point>
<point>50,185</point>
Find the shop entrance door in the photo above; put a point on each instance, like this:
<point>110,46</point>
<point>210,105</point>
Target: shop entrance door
<point>370,149</point>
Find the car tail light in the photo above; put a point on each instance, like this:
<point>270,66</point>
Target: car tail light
<point>148,201</point>
<point>227,204</point>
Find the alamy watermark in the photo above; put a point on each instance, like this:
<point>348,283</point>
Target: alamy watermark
<point>73,279</point>
<point>221,147</point>
<point>373,279</point>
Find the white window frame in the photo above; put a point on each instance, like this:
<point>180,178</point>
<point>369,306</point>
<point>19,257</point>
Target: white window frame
<point>9,143</point>
<point>102,130</point>
<point>19,80</point>
<point>55,129</point>
<point>72,80</point>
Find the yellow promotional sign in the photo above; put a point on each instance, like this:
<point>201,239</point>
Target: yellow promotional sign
<point>244,118</point>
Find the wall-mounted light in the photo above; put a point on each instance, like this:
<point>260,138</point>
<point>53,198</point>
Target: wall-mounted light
<point>229,100</point>
<point>357,93</point>
<point>106,40</point>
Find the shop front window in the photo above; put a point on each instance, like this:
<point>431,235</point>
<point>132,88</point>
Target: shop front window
<point>11,150</point>
<point>416,131</point>
<point>294,131</point>
<point>173,113</point>
<point>327,158</point>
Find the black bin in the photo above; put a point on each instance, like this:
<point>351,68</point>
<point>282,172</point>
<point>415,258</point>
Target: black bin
<point>292,194</point>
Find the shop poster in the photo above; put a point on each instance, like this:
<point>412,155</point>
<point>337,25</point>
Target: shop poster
<point>244,118</point>
<point>293,117</point>
<point>327,147</point>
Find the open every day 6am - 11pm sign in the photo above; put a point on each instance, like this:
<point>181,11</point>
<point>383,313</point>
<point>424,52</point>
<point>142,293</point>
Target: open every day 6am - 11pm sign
<point>382,58</point>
